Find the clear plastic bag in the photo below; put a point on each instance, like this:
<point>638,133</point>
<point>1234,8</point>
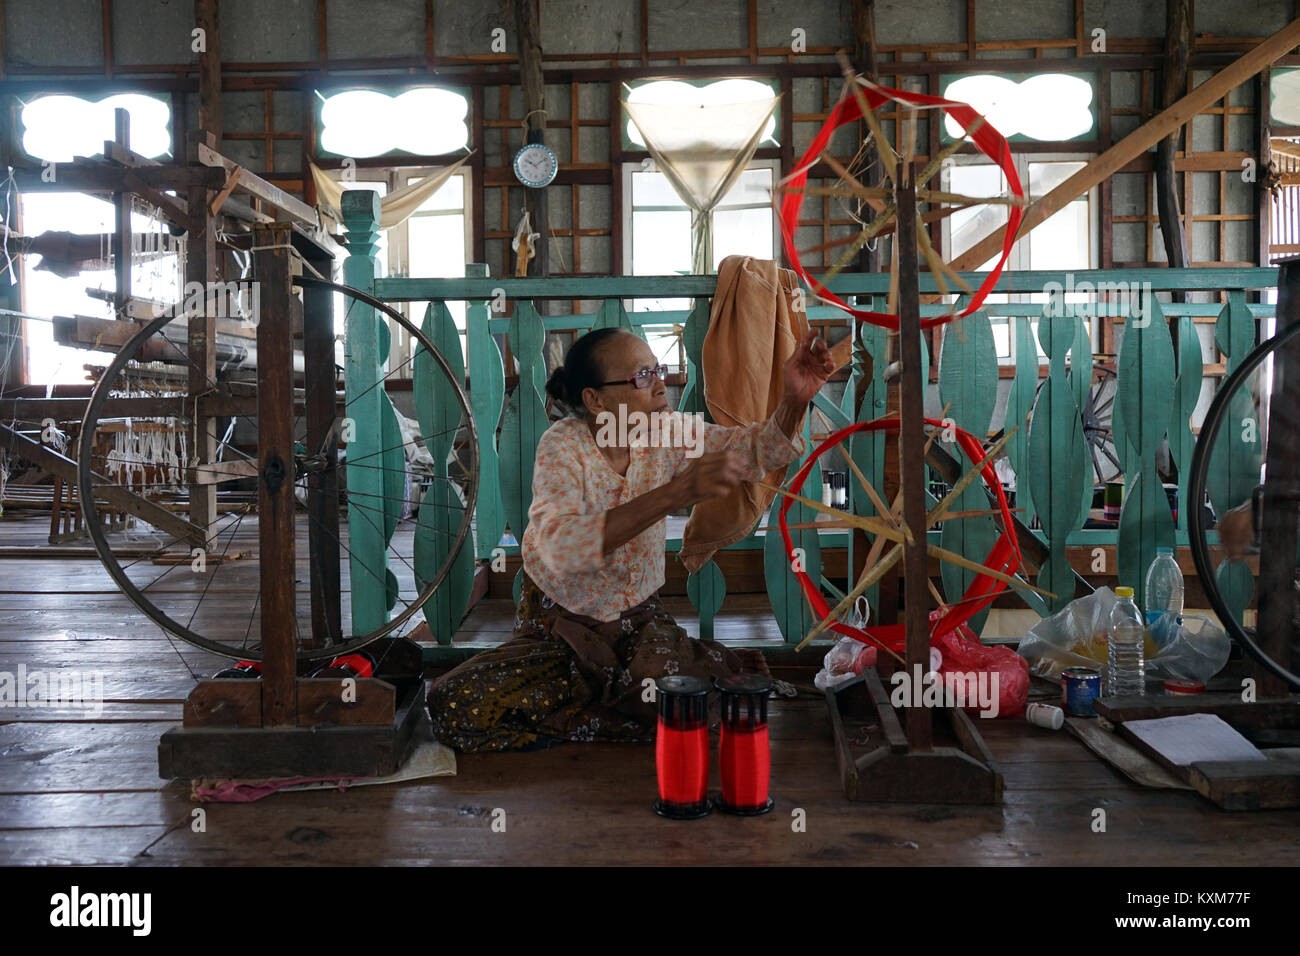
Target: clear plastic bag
<point>847,657</point>
<point>1074,637</point>
<point>1077,636</point>
<point>1194,648</point>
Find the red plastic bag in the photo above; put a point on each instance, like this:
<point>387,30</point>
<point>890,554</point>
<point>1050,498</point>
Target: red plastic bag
<point>967,661</point>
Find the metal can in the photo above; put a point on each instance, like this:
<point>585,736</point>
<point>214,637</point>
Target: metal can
<point>1080,686</point>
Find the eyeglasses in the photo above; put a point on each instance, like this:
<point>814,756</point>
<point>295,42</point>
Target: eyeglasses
<point>642,378</point>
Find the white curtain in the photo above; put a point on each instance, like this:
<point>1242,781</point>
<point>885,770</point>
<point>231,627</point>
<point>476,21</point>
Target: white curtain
<point>395,207</point>
<point>702,150</point>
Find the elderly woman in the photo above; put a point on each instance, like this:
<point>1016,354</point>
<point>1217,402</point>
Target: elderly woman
<point>591,633</point>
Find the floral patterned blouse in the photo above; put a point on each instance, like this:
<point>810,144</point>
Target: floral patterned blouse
<point>574,485</point>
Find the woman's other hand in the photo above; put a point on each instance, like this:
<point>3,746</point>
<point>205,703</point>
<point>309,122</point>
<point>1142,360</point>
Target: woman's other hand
<point>808,368</point>
<point>709,476</point>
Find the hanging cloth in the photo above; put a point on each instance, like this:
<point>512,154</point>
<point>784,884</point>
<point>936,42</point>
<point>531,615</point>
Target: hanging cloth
<point>702,151</point>
<point>395,207</point>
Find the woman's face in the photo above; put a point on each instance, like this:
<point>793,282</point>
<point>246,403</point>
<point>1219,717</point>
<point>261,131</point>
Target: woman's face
<point>621,357</point>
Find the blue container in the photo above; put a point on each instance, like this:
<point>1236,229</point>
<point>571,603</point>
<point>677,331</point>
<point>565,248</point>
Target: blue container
<point>1080,686</point>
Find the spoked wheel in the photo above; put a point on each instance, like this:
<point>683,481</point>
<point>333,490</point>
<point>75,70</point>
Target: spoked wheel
<point>1247,443</point>
<point>1097,414</point>
<point>385,491</point>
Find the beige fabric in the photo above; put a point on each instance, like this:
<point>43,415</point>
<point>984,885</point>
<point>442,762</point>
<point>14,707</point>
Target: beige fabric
<point>753,330</point>
<point>702,151</point>
<point>395,207</point>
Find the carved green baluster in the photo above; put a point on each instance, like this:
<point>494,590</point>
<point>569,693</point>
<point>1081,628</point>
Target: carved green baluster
<point>706,589</point>
<point>365,345</point>
<point>968,384</point>
<point>486,396</point>
<point>525,421</point>
<point>868,448</point>
<point>1020,402</point>
<point>1234,463</point>
<point>1187,392</point>
<point>612,315</point>
<point>1146,395</point>
<point>441,511</point>
<point>697,325</point>
<point>1053,438</point>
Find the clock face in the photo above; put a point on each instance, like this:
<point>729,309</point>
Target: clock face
<point>535,165</point>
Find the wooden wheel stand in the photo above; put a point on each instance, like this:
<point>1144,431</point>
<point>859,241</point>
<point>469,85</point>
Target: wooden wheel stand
<point>906,767</point>
<point>283,725</point>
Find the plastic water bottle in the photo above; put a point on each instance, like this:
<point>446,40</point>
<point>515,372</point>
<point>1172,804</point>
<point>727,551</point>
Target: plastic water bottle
<point>1125,664</point>
<point>1164,591</point>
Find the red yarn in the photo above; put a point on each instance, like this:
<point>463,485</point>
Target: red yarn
<point>1004,557</point>
<point>358,662</point>
<point>682,759</point>
<point>746,757</point>
<point>987,139</point>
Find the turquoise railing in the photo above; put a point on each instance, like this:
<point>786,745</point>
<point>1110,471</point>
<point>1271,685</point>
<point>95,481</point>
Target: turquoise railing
<point>1155,395</point>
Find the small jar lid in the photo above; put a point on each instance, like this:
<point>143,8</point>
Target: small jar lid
<point>744,684</point>
<point>1123,592</point>
<point>683,686</point>
<point>1173,686</point>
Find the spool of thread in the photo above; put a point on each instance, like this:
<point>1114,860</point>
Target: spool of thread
<point>250,669</point>
<point>360,664</point>
<point>744,750</point>
<point>1046,716</point>
<point>682,748</point>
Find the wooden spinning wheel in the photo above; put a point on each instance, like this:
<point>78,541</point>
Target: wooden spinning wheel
<point>901,207</point>
<point>184,583</point>
<point>908,765</point>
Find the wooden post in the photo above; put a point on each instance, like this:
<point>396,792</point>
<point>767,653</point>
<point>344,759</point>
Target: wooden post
<point>1278,532</point>
<point>201,344</point>
<point>534,90</point>
<point>869,260</point>
<point>205,17</point>
<point>275,462</point>
<point>122,222</point>
<point>911,444</point>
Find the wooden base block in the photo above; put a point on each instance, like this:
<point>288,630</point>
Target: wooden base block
<point>891,772</point>
<point>323,750</point>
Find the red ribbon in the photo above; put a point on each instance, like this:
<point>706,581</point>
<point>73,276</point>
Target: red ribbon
<point>1005,555</point>
<point>987,139</point>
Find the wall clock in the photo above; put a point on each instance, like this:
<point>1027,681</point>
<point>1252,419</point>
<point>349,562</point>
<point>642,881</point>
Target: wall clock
<point>535,165</point>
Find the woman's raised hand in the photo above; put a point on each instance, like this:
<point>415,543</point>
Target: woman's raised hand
<point>808,368</point>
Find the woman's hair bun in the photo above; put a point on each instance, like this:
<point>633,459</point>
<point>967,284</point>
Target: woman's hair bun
<point>557,386</point>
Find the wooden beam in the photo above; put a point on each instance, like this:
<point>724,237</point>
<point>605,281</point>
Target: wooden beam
<point>1139,141</point>
<point>255,185</point>
<point>86,178</point>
